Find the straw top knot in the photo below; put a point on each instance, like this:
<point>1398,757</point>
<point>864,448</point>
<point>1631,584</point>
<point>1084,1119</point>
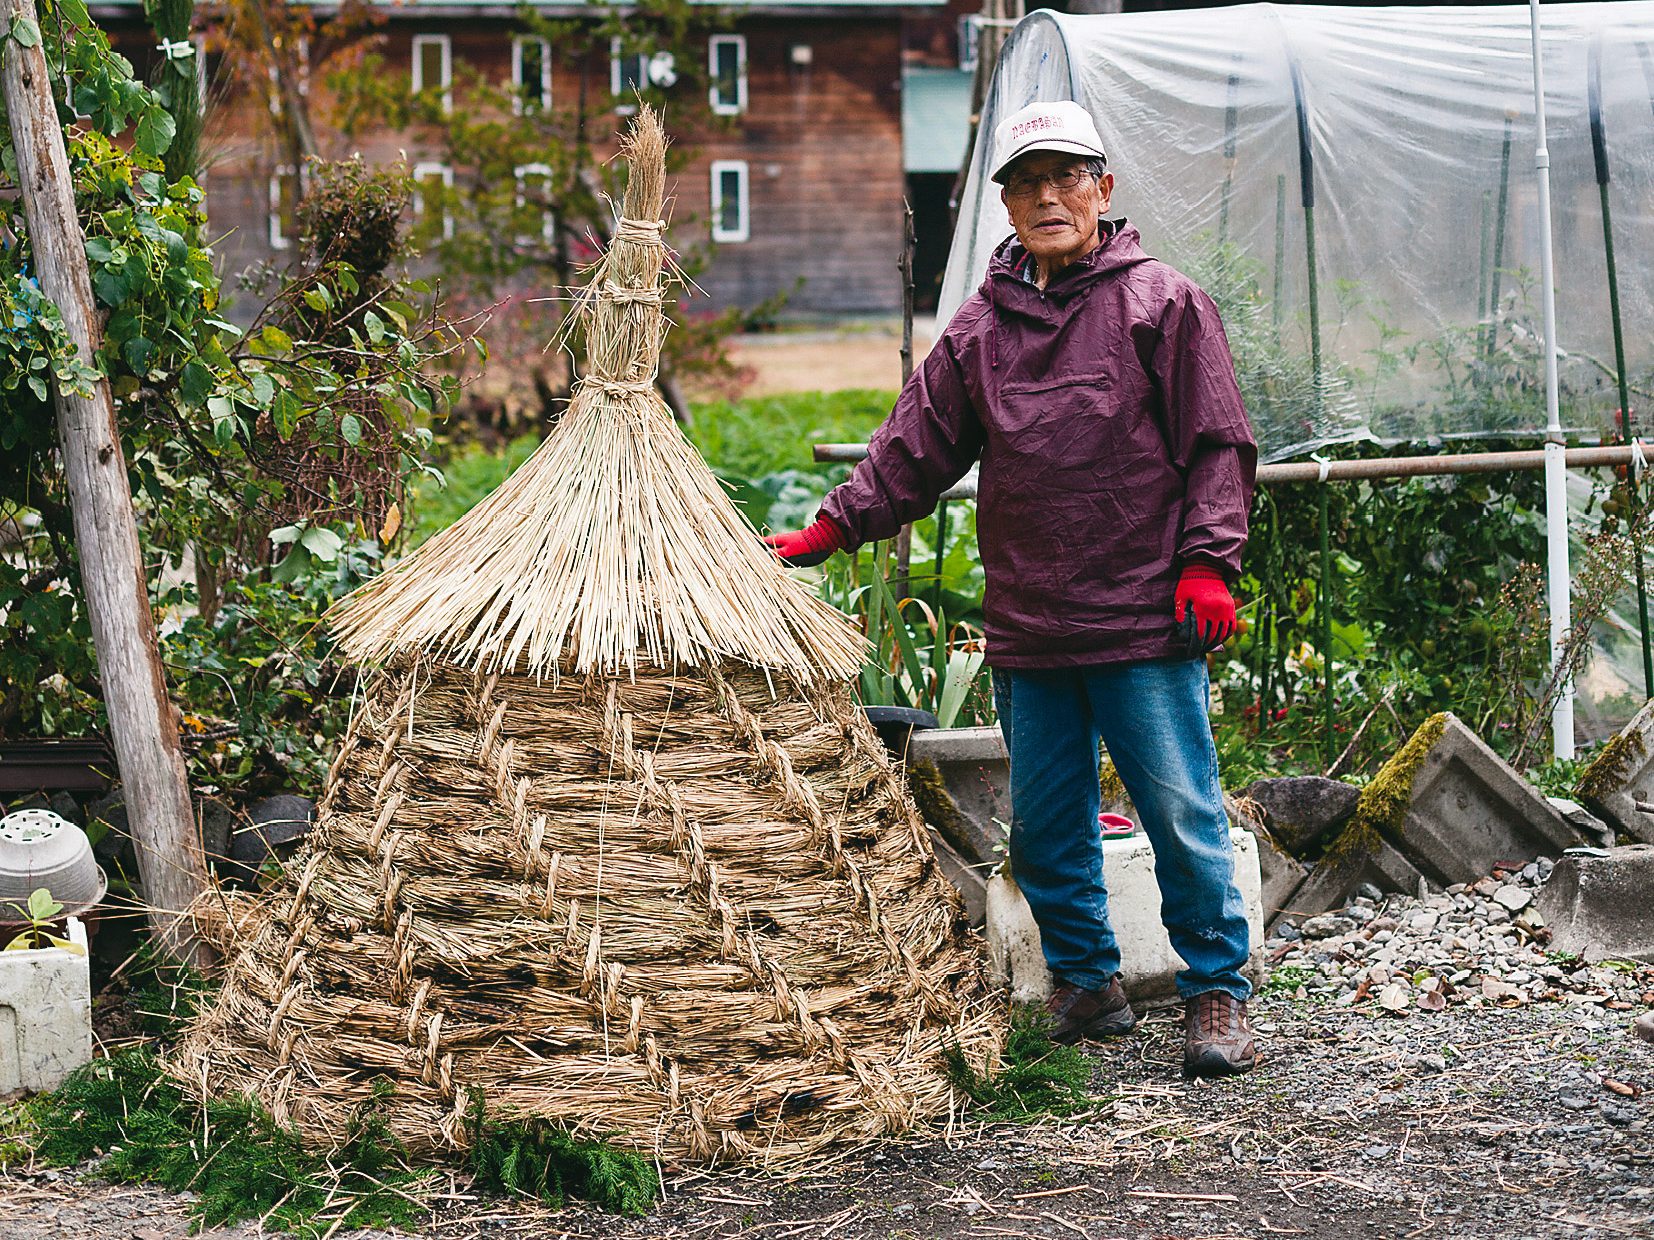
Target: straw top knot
<point>613,546</point>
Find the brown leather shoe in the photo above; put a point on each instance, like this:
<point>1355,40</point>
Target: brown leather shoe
<point>1217,1036</point>
<point>1079,1013</point>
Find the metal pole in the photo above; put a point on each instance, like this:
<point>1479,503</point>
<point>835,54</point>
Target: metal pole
<point>1599,152</point>
<point>1450,464</point>
<point>1556,476</point>
<point>1499,240</point>
<point>904,537</point>
<point>1481,279</point>
<point>1228,163</point>
<point>1280,249</point>
<point>1306,184</point>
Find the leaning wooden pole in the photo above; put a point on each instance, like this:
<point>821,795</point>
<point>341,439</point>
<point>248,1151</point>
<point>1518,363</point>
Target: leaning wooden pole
<point>141,720</point>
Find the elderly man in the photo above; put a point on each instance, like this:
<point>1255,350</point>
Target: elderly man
<point>1095,385</point>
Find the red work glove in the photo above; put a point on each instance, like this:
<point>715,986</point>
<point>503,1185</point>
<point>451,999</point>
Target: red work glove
<point>1204,609</point>
<point>808,547</point>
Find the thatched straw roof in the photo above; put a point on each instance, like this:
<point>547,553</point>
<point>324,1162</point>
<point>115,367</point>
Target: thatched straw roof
<point>613,545</point>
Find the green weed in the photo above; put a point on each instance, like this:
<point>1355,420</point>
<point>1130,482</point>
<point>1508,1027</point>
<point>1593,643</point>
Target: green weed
<point>1036,1077</point>
<point>534,1159</point>
<point>1286,980</point>
<point>242,1164</point>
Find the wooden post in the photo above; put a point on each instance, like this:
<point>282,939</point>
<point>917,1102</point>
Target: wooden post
<point>141,720</point>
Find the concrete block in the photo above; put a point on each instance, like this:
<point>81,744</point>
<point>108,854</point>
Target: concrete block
<point>1623,775</point>
<point>1456,810</point>
<point>969,880</point>
<point>1148,964</point>
<point>961,779</point>
<point>45,1014</point>
<point>1597,905</point>
<point>1333,881</point>
<point>1302,810</point>
<point>1281,874</point>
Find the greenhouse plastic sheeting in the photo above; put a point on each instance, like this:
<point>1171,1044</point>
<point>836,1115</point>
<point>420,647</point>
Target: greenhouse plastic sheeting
<point>1401,143</point>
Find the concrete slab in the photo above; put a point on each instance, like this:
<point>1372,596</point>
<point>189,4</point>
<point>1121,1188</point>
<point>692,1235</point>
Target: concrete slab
<point>1148,964</point>
<point>1302,810</point>
<point>1597,905</point>
<point>1456,810</point>
<point>1622,775</point>
<point>45,1015</point>
<point>1333,881</point>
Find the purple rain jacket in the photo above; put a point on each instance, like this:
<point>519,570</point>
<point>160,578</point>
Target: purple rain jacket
<point>1113,443</point>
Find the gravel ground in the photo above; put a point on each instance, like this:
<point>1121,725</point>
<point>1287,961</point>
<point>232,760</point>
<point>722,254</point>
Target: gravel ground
<point>1515,1110</point>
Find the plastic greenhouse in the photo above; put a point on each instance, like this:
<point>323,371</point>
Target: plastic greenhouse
<point>1397,147</point>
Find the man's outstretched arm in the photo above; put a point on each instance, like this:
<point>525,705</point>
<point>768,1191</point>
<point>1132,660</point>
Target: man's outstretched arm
<point>930,439</point>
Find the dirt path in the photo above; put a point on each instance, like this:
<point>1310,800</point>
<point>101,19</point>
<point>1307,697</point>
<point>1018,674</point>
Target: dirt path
<point>857,355</point>
<point>1469,1125</point>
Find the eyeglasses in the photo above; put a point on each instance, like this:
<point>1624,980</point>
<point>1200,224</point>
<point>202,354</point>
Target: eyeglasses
<point>1027,183</point>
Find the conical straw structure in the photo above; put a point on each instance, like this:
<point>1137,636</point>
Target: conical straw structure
<point>614,545</point>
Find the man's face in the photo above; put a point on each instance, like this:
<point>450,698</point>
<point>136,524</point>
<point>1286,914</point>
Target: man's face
<point>1055,225</point>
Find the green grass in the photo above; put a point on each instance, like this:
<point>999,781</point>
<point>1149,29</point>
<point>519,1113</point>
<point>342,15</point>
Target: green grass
<point>768,434</point>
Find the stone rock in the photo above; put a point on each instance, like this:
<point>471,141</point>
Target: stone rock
<point>1596,906</point>
<point>961,779</point>
<point>1622,775</point>
<point>1457,810</point>
<point>1345,869</point>
<point>273,828</point>
<point>1147,962</point>
<point>1643,1026</point>
<point>1512,897</point>
<point>45,1014</point>
<point>1301,810</point>
<point>1327,926</point>
<point>1281,874</point>
<point>217,823</point>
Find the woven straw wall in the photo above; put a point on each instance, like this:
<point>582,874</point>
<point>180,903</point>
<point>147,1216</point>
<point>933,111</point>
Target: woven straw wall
<point>696,915</point>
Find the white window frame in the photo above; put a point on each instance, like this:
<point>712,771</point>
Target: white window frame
<point>744,230</point>
<point>970,39</point>
<point>616,86</point>
<point>422,172</point>
<point>278,239</point>
<point>417,67</point>
<point>517,45</point>
<point>548,225</point>
<point>719,106</point>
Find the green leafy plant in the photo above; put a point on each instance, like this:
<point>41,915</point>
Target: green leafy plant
<point>541,1161</point>
<point>40,916</point>
<point>1036,1077</point>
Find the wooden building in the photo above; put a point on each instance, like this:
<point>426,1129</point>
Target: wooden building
<point>801,178</point>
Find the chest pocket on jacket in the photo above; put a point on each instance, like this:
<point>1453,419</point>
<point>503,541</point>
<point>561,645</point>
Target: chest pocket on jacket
<point>1069,433</point>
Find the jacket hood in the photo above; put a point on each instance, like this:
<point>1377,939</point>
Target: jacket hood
<point>1006,289</point>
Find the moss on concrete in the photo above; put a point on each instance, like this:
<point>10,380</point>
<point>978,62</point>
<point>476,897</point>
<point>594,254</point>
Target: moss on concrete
<point>1383,805</point>
<point>937,806</point>
<point>1610,768</point>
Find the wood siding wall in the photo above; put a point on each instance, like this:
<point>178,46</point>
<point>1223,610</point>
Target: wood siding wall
<point>822,144</point>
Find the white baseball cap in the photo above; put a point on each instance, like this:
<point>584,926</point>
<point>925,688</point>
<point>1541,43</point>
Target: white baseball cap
<point>1060,126</point>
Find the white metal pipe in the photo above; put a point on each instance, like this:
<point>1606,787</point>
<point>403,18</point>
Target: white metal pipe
<point>1556,476</point>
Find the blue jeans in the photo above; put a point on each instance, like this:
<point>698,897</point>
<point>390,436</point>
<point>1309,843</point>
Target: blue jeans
<point>1152,717</point>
